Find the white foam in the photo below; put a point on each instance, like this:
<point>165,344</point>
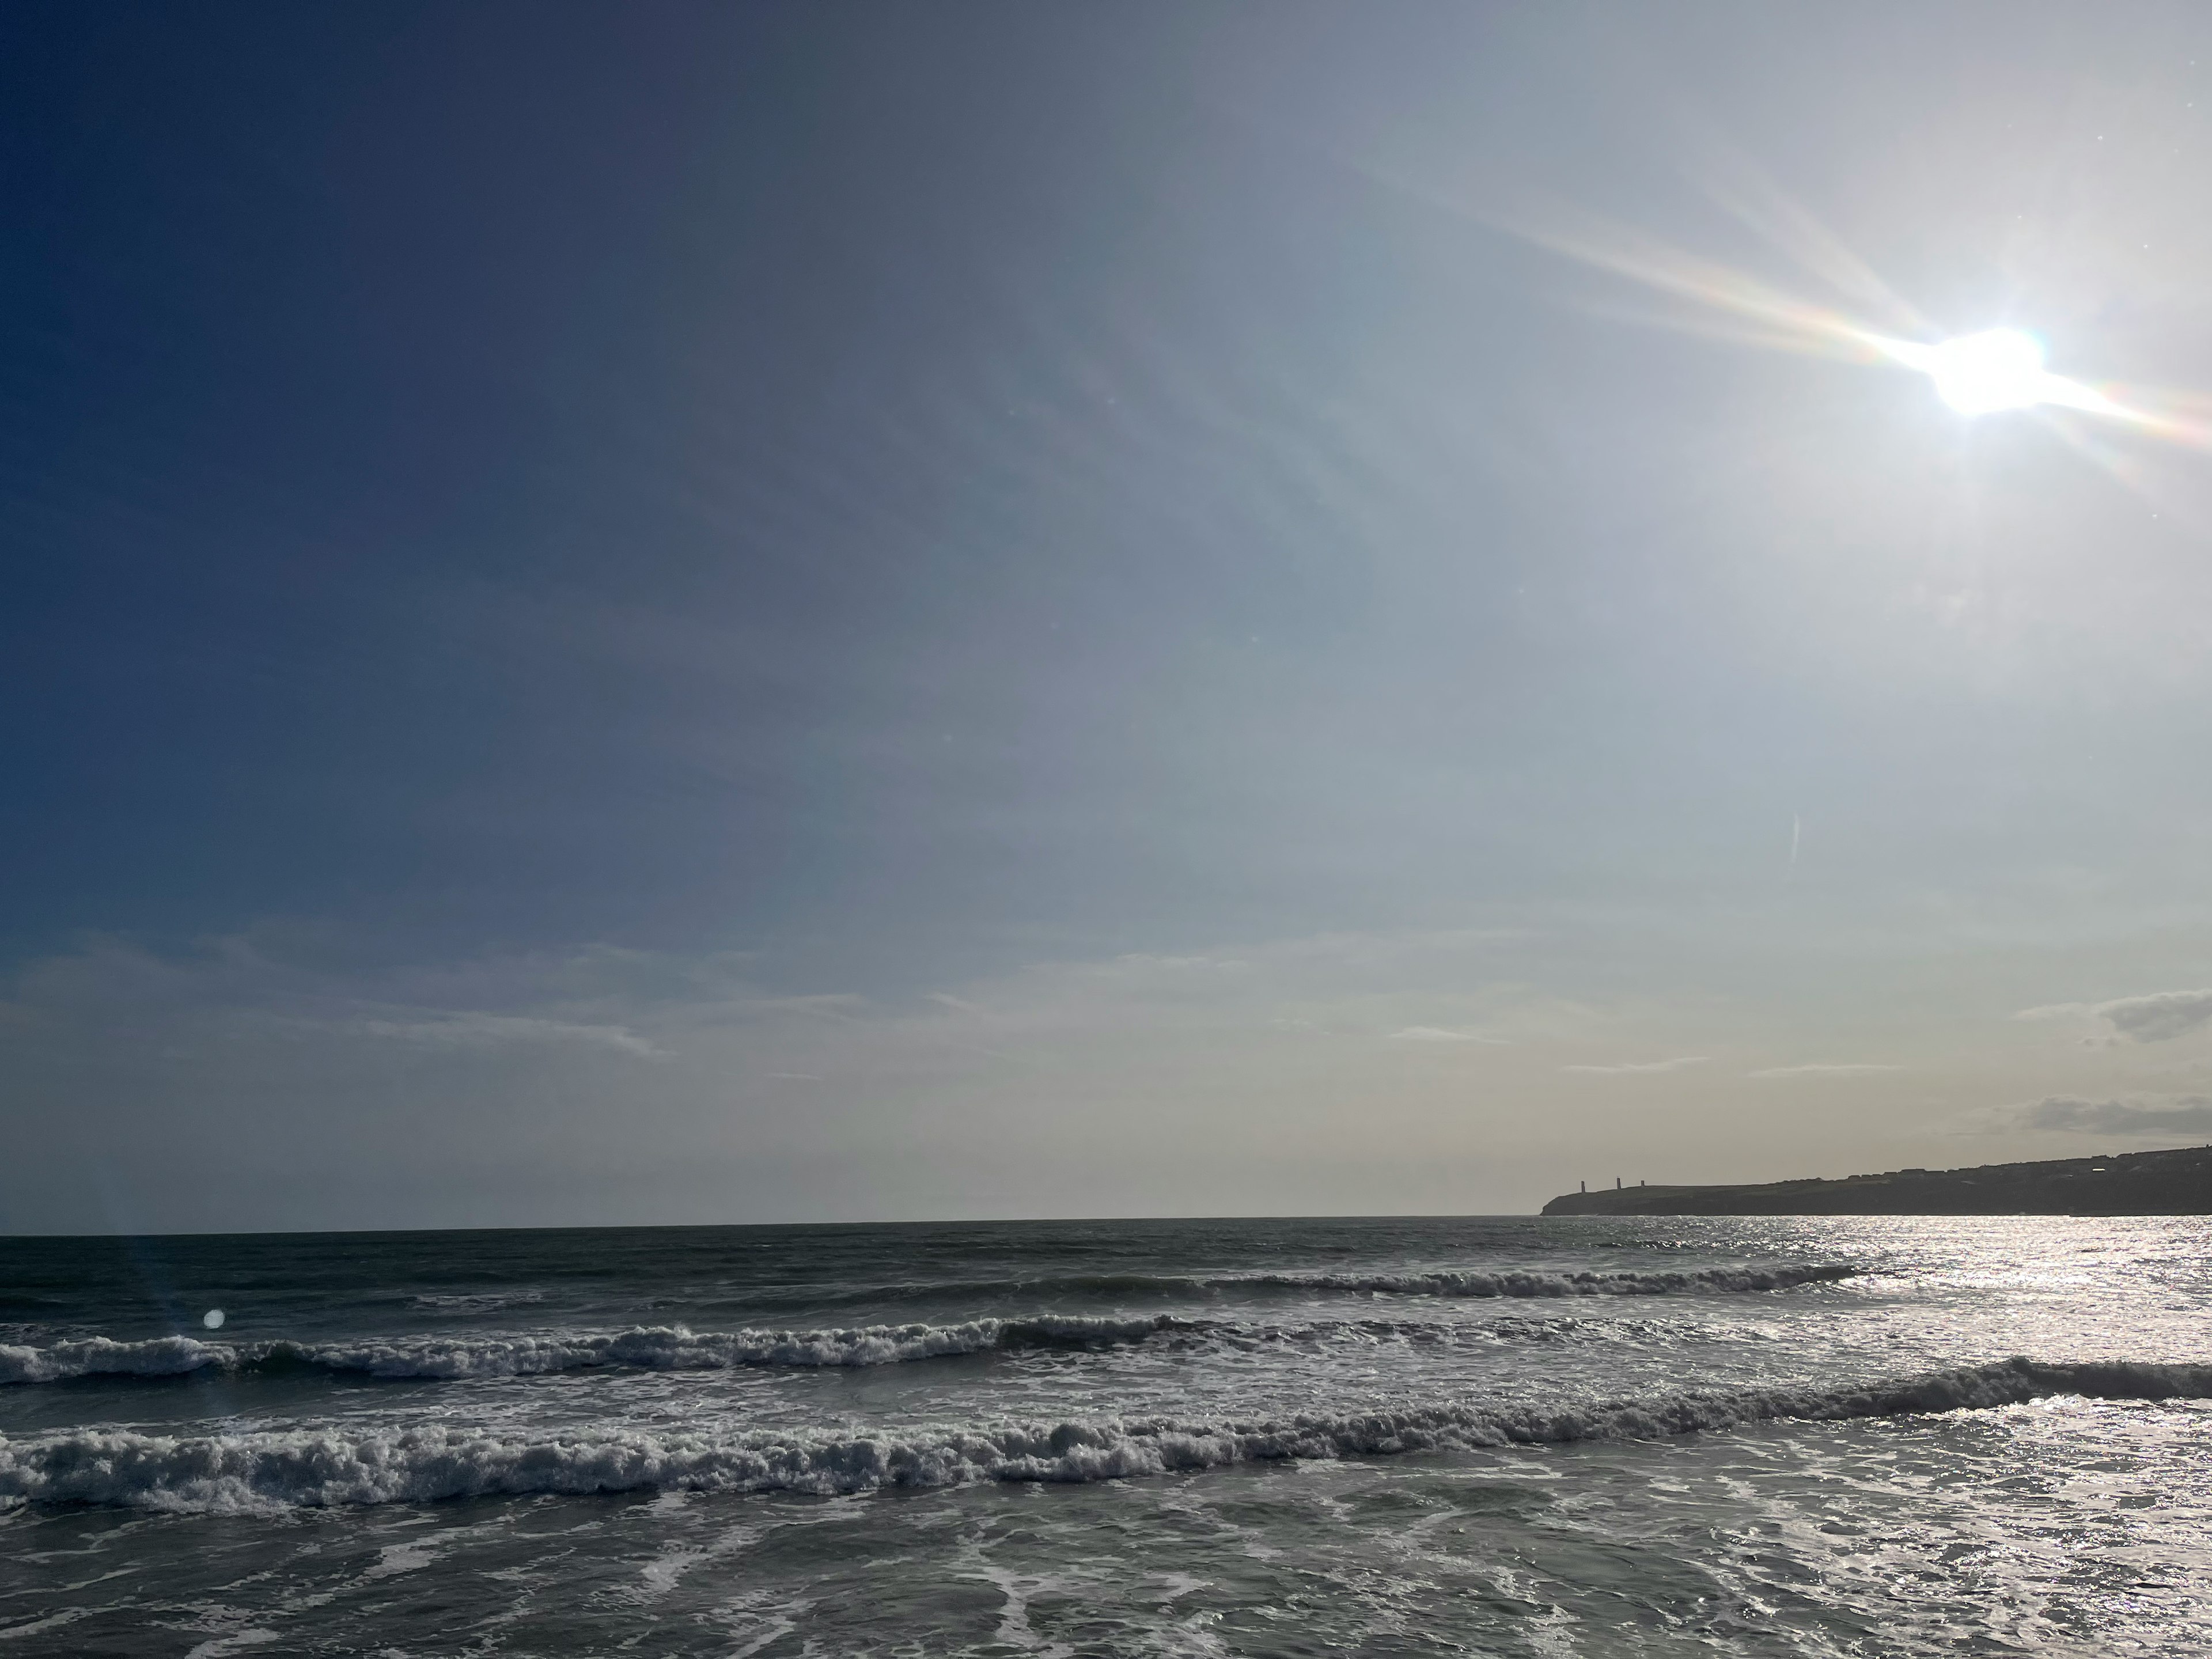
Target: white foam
<point>651,1348</point>
<point>395,1559</point>
<point>1503,1282</point>
<point>273,1470</point>
<point>1730,1280</point>
<point>673,1347</point>
<point>98,1356</point>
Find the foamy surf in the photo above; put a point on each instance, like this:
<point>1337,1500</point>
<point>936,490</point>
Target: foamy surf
<point>1708,1281</point>
<point>641,1348</point>
<point>729,1378</point>
<point>674,1348</point>
<point>1503,1282</point>
<point>677,1348</point>
<point>274,1470</point>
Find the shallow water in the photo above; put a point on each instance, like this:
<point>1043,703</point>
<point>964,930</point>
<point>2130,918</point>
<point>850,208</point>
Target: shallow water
<point>1508,1435</point>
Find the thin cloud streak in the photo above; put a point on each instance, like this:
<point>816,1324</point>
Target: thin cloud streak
<point>1824,1069</point>
<point>2138,1115</point>
<point>478,1031</point>
<point>1635,1068</point>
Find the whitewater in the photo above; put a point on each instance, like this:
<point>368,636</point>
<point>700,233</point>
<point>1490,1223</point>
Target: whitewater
<point>1494,1435</point>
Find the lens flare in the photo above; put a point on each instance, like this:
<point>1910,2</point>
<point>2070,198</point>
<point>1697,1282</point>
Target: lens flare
<point>1985,372</point>
<point>1998,369</point>
<point>1981,374</point>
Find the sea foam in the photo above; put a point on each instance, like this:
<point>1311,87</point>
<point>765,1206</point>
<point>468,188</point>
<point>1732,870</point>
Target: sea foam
<point>274,1470</point>
<point>1508,1283</point>
<point>646,1348</point>
<point>677,1348</point>
<point>1442,1282</point>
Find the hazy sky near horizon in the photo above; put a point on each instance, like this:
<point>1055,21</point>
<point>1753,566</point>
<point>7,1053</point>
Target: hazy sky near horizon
<point>762,613</point>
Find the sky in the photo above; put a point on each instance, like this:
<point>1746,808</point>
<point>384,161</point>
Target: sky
<point>713,613</point>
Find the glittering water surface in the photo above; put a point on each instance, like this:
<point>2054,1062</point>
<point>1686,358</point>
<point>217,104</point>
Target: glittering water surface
<point>1750,1436</point>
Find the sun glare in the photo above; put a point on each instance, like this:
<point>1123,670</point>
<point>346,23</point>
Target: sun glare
<point>1988,371</point>
<point>1981,374</point>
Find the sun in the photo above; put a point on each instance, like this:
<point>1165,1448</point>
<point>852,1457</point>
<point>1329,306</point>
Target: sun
<point>1989,371</point>
<point>1998,368</point>
<point>2001,369</point>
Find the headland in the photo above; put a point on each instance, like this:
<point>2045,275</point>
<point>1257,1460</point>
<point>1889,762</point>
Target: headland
<point>2124,1183</point>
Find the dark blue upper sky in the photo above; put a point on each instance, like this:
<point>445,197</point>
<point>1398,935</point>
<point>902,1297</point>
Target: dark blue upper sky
<point>873,499</point>
<point>368,371</point>
<point>696,474</point>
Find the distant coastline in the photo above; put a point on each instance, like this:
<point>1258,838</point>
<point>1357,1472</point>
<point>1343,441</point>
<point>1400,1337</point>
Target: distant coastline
<point>2126,1183</point>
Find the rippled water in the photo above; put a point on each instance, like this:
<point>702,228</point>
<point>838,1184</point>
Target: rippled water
<point>1750,1435</point>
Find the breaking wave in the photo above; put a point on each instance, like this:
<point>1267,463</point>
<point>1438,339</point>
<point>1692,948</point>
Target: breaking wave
<point>1443,1282</point>
<point>473,1301</point>
<point>160,1356</point>
<point>676,1348</point>
<point>260,1472</point>
<point>659,1348</point>
<point>671,1348</point>
<point>1512,1284</point>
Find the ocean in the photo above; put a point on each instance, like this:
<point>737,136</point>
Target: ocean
<point>1502,1435</point>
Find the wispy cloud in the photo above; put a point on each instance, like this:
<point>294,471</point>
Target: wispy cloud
<point>478,1031</point>
<point>1824,1069</point>
<point>2124,1114</point>
<point>1630,1066</point>
<point>1441,1034</point>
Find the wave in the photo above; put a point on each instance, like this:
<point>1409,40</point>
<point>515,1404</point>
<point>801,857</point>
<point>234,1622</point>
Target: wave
<point>1503,1282</point>
<point>276,1470</point>
<point>160,1356</point>
<point>675,1348</point>
<point>469,1302</point>
<point>657,1348</point>
<point>1513,1283</point>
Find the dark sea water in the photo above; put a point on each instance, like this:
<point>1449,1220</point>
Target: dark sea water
<point>1509,1436</point>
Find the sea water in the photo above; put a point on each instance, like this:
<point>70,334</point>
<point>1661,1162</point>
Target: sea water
<point>1501,1436</point>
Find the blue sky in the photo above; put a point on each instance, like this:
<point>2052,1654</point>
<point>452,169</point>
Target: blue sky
<point>715,613</point>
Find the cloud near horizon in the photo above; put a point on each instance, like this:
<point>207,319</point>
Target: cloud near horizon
<point>231,1083</point>
<point>207,1082</point>
<point>2155,1017</point>
<point>2145,1115</point>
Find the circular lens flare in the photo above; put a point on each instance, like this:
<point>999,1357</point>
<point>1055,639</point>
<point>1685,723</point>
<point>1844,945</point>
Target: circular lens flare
<point>1981,374</point>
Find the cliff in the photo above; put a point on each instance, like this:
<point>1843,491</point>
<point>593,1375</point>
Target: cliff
<point>2130,1183</point>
